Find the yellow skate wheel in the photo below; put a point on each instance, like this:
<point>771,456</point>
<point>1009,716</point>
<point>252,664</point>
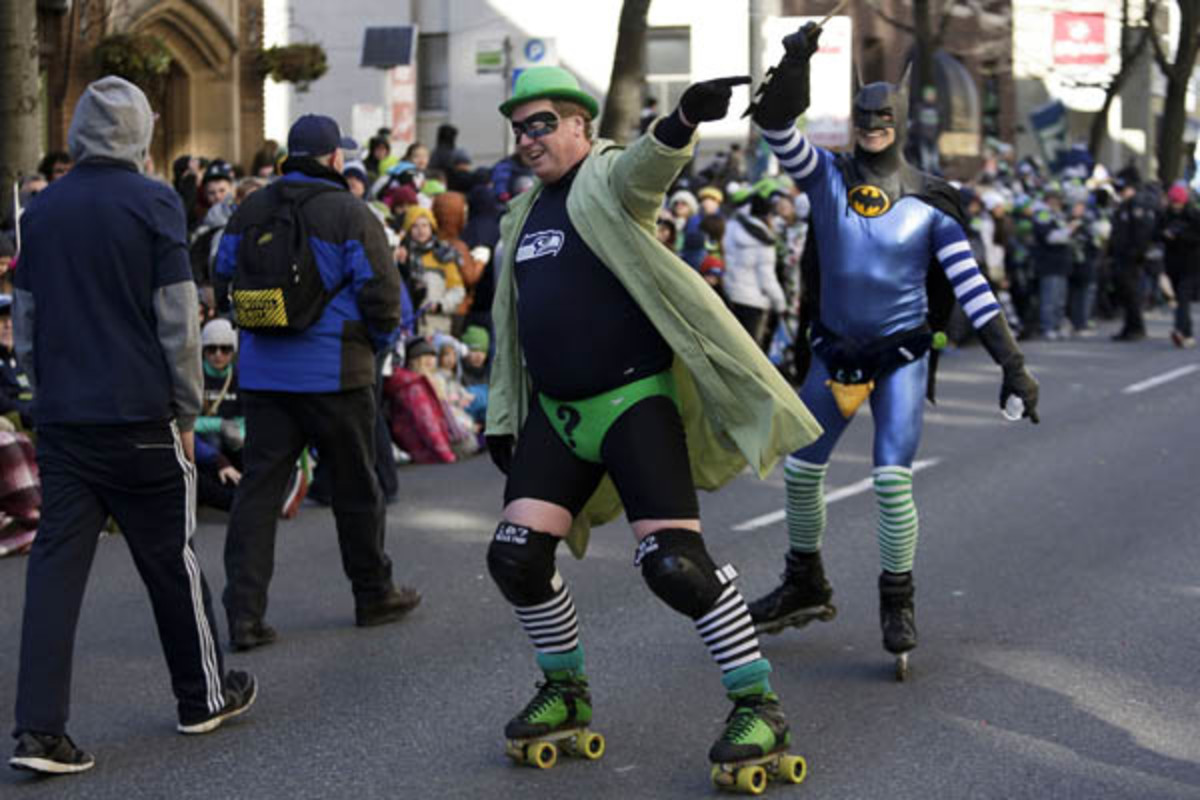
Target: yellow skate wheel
<point>793,769</point>
<point>718,777</point>
<point>591,745</point>
<point>751,780</point>
<point>542,755</point>
<point>514,751</point>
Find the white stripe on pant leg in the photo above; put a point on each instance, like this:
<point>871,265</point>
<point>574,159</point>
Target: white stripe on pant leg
<point>208,653</point>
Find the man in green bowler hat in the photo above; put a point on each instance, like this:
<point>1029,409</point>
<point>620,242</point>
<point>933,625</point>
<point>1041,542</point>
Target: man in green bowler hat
<point>620,379</point>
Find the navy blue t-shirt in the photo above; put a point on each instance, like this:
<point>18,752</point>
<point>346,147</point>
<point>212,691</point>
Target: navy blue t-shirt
<point>96,245</point>
<point>581,331</point>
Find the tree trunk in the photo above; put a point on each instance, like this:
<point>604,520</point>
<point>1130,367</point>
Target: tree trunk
<point>19,146</point>
<point>1174,119</point>
<point>623,104</point>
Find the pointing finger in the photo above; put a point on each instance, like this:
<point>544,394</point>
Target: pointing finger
<point>736,80</point>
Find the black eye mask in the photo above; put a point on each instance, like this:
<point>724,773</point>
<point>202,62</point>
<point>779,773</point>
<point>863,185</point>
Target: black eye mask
<point>535,126</point>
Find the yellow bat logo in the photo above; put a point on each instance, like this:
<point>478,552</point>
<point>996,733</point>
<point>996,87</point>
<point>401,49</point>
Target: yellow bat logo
<point>869,201</point>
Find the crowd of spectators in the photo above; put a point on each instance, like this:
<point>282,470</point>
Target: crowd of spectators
<point>1061,250</point>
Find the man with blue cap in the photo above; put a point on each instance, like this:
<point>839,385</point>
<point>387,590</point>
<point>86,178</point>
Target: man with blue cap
<point>310,383</point>
<point>622,379</point>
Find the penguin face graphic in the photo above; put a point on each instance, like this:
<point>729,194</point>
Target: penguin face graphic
<point>869,201</point>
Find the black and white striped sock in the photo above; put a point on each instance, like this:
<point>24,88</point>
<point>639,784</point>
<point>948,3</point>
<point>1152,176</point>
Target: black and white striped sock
<point>727,629</point>
<point>552,625</point>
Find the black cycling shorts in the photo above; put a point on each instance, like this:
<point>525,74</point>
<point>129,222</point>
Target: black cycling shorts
<point>645,451</point>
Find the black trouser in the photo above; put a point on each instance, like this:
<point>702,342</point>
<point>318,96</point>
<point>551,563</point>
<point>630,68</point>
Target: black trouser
<point>754,320</point>
<point>138,474</point>
<point>279,425</point>
<point>1129,294</point>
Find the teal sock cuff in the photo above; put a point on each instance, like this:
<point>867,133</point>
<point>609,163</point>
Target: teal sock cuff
<point>553,662</point>
<point>752,676</point>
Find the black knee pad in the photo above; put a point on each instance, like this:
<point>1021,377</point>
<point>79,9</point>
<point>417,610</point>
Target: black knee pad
<point>678,569</point>
<point>521,561</point>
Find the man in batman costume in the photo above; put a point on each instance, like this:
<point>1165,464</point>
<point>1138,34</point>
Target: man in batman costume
<point>888,256</point>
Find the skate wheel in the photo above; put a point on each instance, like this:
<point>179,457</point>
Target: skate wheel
<point>514,751</point>
<point>751,780</point>
<point>902,667</point>
<point>542,755</point>
<point>793,769</point>
<point>591,745</point>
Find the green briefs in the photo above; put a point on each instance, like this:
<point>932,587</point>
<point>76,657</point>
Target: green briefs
<point>583,424</point>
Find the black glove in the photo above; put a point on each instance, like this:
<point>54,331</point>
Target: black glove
<point>709,100</point>
<point>997,339</point>
<point>784,95</point>
<point>500,448</point>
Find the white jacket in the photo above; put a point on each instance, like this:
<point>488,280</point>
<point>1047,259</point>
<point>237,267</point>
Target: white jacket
<point>750,267</point>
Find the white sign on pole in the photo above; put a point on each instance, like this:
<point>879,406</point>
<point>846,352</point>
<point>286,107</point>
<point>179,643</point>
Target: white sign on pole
<point>827,121</point>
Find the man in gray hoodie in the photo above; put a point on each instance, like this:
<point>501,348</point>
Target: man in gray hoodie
<point>116,294</point>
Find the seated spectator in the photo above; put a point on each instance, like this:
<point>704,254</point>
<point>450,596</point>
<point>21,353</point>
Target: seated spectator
<point>418,155</point>
<point>665,231</point>
<point>16,393</point>
<point>8,251</point>
<point>419,424</point>
<point>476,371</point>
<point>220,428</point>
<point>450,213</point>
<point>449,386</point>
<point>54,165</point>
<point>430,268</point>
<point>378,150</point>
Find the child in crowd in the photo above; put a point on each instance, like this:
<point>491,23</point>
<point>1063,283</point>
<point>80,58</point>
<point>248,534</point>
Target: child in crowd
<point>430,270</point>
<point>220,428</point>
<point>476,370</point>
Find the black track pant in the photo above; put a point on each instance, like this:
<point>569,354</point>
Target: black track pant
<point>279,425</point>
<point>138,474</point>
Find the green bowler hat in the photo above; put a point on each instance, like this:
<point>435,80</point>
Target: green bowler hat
<point>553,83</point>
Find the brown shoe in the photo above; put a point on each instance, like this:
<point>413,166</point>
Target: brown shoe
<point>389,608</point>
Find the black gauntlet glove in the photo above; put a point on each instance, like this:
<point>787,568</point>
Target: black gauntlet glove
<point>998,341</point>
<point>784,95</point>
<point>709,100</point>
<point>500,448</point>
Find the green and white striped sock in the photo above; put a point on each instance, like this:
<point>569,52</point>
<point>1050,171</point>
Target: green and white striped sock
<point>805,484</point>
<point>897,518</point>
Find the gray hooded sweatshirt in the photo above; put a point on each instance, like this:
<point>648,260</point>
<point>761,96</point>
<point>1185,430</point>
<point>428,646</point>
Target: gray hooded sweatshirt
<point>105,249</point>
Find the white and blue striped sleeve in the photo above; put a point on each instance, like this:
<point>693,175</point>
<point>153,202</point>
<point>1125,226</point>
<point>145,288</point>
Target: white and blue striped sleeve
<point>804,162</point>
<point>970,287</point>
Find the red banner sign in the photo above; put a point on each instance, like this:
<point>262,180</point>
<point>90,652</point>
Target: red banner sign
<point>1079,39</point>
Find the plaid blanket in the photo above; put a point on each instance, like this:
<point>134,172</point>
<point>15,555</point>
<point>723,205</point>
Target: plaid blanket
<point>20,493</point>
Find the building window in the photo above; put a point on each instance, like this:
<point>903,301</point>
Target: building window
<point>668,64</point>
<point>433,72</point>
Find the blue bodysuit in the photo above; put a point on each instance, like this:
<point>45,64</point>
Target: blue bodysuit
<point>875,253</point>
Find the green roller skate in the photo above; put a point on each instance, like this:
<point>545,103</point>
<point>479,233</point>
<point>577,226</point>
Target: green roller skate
<point>753,748</point>
<point>555,720</point>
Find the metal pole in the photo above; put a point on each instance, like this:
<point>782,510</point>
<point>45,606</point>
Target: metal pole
<point>507,73</point>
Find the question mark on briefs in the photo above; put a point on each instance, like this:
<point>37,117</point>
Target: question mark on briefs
<point>571,417</point>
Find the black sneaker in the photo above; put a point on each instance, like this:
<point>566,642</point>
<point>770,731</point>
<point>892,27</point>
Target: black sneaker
<point>247,634</point>
<point>389,608</point>
<point>49,754</point>
<point>241,689</point>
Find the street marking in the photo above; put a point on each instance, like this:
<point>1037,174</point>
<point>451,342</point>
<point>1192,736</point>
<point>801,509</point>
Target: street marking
<point>1159,380</point>
<point>866,484</point>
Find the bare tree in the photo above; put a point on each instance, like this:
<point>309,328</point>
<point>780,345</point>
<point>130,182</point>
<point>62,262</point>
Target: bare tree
<point>1131,50</point>
<point>623,103</point>
<point>927,37</point>
<point>1178,74</point>
<point>18,92</point>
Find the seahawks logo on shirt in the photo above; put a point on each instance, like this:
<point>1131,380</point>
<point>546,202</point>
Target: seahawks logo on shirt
<point>869,201</point>
<point>539,244</point>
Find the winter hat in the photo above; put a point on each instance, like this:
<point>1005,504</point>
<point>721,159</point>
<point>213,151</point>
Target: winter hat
<point>1178,193</point>
<point>686,197</point>
<point>218,170</point>
<point>476,338</point>
<point>7,246</point>
<point>552,83</point>
<point>5,305</point>
<point>418,347</point>
<point>355,169</point>
<point>218,331</point>
<point>432,188</point>
<point>413,213</point>
<point>711,192</point>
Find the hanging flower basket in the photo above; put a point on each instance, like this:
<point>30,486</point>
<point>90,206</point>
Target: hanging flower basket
<point>300,64</point>
<point>140,58</point>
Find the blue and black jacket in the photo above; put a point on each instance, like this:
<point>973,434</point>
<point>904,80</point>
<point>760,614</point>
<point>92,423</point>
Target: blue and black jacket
<point>337,352</point>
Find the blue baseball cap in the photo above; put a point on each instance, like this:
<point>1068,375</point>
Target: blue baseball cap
<point>316,135</point>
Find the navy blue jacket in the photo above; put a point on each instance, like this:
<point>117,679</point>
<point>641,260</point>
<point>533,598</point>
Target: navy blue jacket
<point>337,352</point>
<point>104,262</point>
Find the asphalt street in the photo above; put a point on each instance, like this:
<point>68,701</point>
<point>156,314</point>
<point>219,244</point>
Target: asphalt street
<point>1058,593</point>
